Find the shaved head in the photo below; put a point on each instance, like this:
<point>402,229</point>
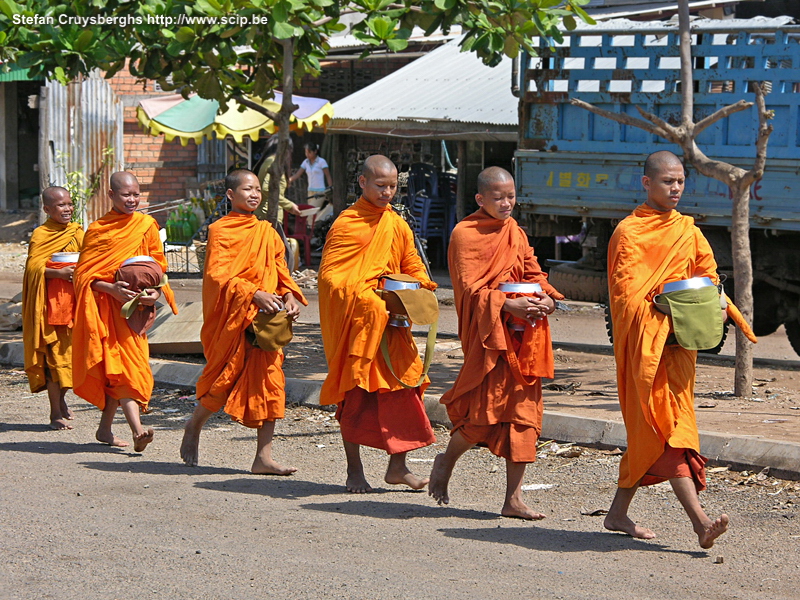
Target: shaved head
<point>53,194</point>
<point>375,163</point>
<point>659,161</point>
<point>122,178</point>
<point>236,178</point>
<point>491,177</point>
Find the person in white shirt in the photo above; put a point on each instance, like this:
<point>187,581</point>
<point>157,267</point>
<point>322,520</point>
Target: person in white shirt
<point>318,176</point>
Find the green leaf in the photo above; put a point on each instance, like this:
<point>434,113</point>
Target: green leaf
<point>168,33</point>
<point>282,31</point>
<point>382,28</point>
<point>511,47</point>
<point>396,45</point>
<point>209,7</point>
<point>184,35</point>
<point>83,40</point>
<point>444,4</point>
<point>569,23</point>
<point>61,76</point>
<point>9,8</point>
<point>280,12</point>
<point>586,18</point>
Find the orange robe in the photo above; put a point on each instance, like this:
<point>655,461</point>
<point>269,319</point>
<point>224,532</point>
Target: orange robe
<point>364,243</point>
<point>491,402</point>
<point>46,346</point>
<point>108,357</point>
<point>243,256</point>
<point>655,380</point>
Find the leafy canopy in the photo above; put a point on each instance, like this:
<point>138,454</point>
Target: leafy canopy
<point>232,48</point>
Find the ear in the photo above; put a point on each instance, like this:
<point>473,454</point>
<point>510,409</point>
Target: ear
<point>229,194</point>
<point>646,182</point>
<point>362,182</point>
<point>479,199</point>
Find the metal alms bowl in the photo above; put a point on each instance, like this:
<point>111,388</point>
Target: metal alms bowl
<point>65,257</point>
<point>138,259</point>
<point>510,287</point>
<point>390,285</point>
<point>687,284</point>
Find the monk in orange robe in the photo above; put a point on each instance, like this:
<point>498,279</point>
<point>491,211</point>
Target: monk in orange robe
<point>655,379</point>
<point>46,314</point>
<point>110,361</point>
<point>369,240</point>
<point>245,273</point>
<point>497,397</point>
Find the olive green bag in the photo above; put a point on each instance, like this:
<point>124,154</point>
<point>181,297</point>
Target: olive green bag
<point>696,316</point>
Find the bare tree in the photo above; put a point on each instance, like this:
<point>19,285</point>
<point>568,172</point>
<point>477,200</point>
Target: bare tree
<point>739,180</point>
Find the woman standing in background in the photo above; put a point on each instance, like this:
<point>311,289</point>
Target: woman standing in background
<point>319,178</point>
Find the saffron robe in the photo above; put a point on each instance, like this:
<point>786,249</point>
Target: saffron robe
<point>243,256</point>
<point>108,357</point>
<point>655,382</point>
<point>491,402</point>
<point>46,345</point>
<point>364,243</point>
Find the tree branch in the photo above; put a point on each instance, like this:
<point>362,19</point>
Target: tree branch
<point>687,78</point>
<point>723,112</point>
<point>764,131</point>
<point>257,107</point>
<point>622,118</point>
<point>668,132</point>
<point>716,169</point>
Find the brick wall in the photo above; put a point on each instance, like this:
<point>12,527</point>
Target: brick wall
<point>164,170</point>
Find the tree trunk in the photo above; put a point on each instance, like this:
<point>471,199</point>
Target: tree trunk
<point>341,146</point>
<point>284,118</point>
<point>743,280</point>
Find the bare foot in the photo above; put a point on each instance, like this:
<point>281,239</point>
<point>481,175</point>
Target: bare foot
<point>517,509</point>
<point>190,446</point>
<point>59,424</point>
<point>140,441</point>
<point>270,467</point>
<point>625,525</point>
<point>109,438</point>
<point>65,410</point>
<point>357,484</point>
<point>711,532</point>
<point>407,478</point>
<point>440,478</point>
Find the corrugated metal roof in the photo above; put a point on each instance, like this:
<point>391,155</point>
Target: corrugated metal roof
<point>615,9</point>
<point>15,73</point>
<point>446,85</point>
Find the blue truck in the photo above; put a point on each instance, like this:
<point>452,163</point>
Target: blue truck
<point>578,174</point>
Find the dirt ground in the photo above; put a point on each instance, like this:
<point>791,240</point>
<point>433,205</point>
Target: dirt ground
<point>84,521</point>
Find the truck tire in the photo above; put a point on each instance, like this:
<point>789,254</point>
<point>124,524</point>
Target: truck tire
<point>793,333</point>
<point>579,284</point>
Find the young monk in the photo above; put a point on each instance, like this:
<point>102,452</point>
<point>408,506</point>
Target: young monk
<point>653,246</point>
<point>111,362</point>
<point>369,240</point>
<point>47,317</point>
<point>497,396</point>
<point>245,273</point>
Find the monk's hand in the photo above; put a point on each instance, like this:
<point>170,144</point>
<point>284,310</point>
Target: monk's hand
<point>66,273</point>
<point>292,306</point>
<point>521,308</point>
<point>149,297</point>
<point>269,303</point>
<point>118,289</point>
<point>544,303</point>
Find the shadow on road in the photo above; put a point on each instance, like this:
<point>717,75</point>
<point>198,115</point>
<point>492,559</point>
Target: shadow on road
<point>559,540</point>
<point>152,467</point>
<point>275,486</point>
<point>400,510</point>
<point>40,447</point>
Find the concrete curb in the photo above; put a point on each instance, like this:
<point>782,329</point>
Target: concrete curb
<point>736,451</point>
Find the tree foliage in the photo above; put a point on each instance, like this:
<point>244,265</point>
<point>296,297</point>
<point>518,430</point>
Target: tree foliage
<point>223,49</point>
